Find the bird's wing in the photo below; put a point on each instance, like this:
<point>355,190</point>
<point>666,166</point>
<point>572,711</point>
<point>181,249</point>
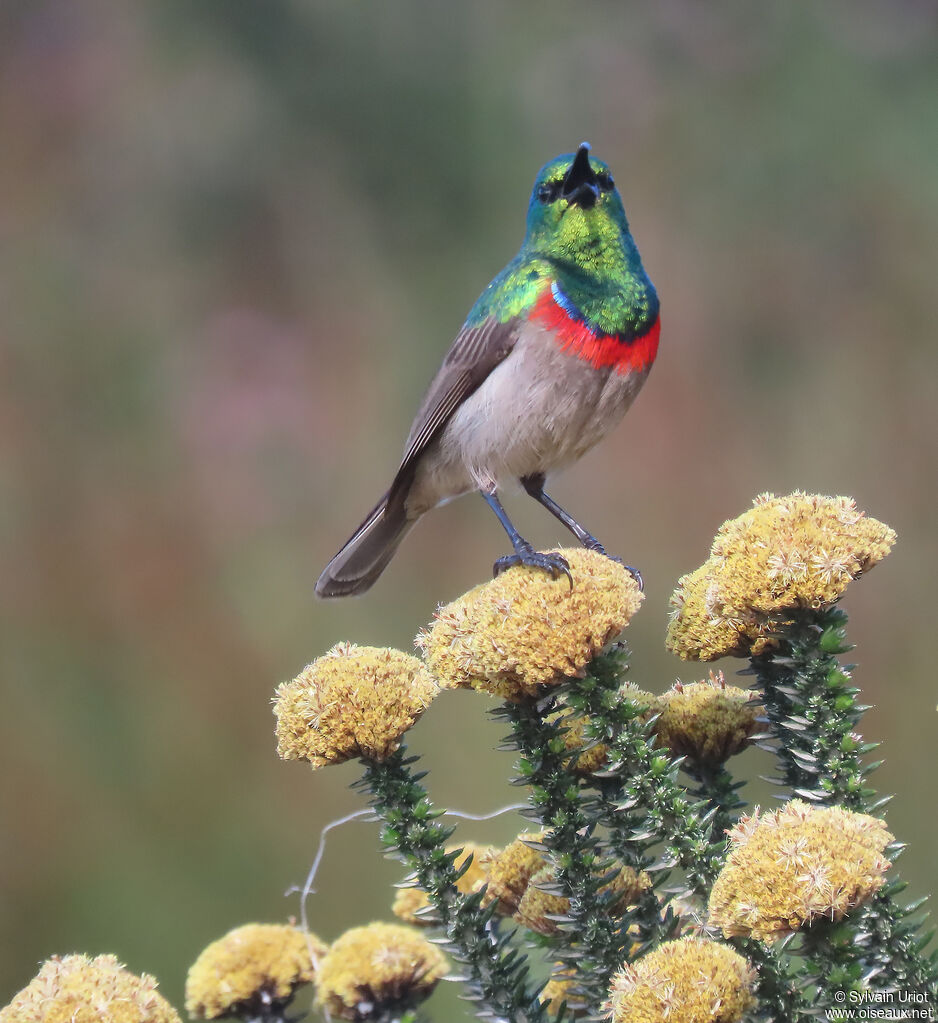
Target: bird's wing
<point>476,351</point>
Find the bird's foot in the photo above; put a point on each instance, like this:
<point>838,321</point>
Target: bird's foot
<point>633,572</point>
<point>555,564</point>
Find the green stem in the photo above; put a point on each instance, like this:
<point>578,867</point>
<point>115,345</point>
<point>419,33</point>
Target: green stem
<point>716,788</point>
<point>592,937</point>
<point>813,711</point>
<point>496,976</point>
<point>778,991</point>
<point>642,804</point>
<point>813,714</point>
<point>889,934</point>
<point>642,801</point>
<point>832,963</point>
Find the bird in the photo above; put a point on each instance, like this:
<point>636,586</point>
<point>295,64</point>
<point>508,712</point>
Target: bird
<point>548,361</point>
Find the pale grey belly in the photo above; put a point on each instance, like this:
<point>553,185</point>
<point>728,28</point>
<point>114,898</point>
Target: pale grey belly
<point>537,412</point>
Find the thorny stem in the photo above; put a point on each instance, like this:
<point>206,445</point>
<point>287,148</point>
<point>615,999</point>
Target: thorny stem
<point>642,804</point>
<point>813,713</point>
<point>496,976</point>
<point>780,999</point>
<point>717,790</point>
<point>592,936</point>
<point>893,947</point>
<point>831,963</point>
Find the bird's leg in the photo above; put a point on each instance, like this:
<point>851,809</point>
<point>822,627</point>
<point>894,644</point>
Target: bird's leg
<point>524,554</point>
<point>534,485</point>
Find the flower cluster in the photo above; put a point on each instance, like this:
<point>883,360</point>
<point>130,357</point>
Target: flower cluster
<point>81,989</point>
<point>601,761</point>
<point>793,866</point>
<point>690,980</point>
<point>379,965</point>
<point>524,630</point>
<point>784,554</point>
<point>412,904</point>
<point>707,722</point>
<point>512,636</point>
<point>250,969</point>
<point>522,881</point>
<point>354,701</point>
<point>254,971</point>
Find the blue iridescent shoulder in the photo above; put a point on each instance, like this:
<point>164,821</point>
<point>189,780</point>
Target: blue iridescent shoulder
<point>512,292</point>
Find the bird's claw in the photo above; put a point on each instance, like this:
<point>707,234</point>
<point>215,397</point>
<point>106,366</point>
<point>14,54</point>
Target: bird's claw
<point>555,564</point>
<point>633,572</point>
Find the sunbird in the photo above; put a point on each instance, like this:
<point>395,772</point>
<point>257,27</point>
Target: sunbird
<point>548,361</point>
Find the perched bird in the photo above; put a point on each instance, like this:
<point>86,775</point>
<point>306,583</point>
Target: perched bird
<point>549,359</point>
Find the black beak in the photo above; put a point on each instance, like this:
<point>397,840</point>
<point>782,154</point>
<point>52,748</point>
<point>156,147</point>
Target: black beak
<point>580,185</point>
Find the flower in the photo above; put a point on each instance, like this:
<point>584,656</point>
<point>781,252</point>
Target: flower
<point>81,989</point>
<point>524,630</point>
<point>509,872</point>
<point>410,902</point>
<point>704,629</point>
<point>542,909</point>
<point>354,701</point>
<point>707,722</point>
<point>560,989</point>
<point>691,980</point>
<point>540,905</point>
<point>590,755</point>
<point>795,865</point>
<point>251,968</point>
<point>784,554</point>
<point>377,969</point>
<point>524,882</point>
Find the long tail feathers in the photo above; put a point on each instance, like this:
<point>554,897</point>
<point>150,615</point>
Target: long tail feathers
<point>366,555</point>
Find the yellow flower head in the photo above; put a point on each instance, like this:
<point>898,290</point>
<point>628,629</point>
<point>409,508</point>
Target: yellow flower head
<point>784,554</point>
<point>707,722</point>
<point>522,880</point>
<point>690,980</point>
<point>540,904</point>
<point>379,966</point>
<point>250,968</point>
<point>354,701</point>
<point>562,988</point>
<point>410,901</point>
<point>593,758</point>
<point>524,630</point>
<point>79,989</point>
<point>796,865</point>
<point>509,872</point>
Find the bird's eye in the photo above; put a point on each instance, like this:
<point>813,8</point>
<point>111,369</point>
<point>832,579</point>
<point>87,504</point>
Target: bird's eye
<point>549,191</point>
<point>604,178</point>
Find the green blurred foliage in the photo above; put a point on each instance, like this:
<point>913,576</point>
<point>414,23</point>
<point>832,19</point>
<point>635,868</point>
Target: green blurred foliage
<point>235,239</point>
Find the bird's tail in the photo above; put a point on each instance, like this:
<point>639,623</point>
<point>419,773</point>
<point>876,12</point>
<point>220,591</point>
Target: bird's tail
<point>366,555</point>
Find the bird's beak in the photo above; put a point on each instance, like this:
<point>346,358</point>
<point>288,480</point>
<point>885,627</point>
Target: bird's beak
<point>580,185</point>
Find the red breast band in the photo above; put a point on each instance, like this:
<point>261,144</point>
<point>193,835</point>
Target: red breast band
<point>626,354</point>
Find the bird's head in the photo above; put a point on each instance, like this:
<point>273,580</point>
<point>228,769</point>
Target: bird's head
<point>575,211</point>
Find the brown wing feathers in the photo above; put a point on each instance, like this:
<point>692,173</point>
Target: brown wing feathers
<point>473,355</point>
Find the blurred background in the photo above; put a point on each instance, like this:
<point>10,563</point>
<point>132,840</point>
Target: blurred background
<point>235,240</point>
